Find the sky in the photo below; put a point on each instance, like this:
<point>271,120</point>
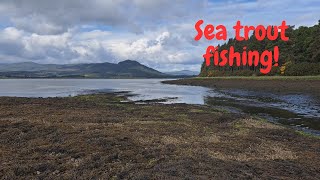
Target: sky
<point>157,33</point>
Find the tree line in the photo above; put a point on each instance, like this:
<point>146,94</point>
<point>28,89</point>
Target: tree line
<point>298,57</point>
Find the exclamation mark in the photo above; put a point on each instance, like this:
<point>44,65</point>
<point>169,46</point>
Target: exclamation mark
<point>276,56</point>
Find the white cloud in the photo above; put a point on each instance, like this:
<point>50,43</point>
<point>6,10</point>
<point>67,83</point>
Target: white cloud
<point>53,17</point>
<point>95,34</point>
<point>95,46</point>
<point>157,33</point>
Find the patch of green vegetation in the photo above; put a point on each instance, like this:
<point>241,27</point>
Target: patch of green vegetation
<point>306,134</point>
<point>219,109</point>
<point>196,110</point>
<point>239,126</point>
<point>263,120</point>
<point>182,117</point>
<point>100,99</point>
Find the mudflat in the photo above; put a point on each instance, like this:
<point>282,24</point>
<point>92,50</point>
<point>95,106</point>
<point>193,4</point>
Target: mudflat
<point>99,136</point>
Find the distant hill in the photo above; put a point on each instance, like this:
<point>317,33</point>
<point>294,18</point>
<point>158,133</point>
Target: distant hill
<point>124,69</point>
<point>183,73</point>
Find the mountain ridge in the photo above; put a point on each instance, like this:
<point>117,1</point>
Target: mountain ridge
<point>123,69</point>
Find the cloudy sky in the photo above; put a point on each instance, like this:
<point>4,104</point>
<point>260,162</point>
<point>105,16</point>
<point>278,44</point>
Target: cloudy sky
<point>157,33</point>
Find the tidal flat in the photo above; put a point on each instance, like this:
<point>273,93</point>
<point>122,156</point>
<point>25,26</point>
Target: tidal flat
<point>106,136</point>
<point>288,100</point>
<point>274,84</point>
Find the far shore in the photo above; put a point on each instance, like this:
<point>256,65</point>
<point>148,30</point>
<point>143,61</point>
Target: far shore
<point>274,84</point>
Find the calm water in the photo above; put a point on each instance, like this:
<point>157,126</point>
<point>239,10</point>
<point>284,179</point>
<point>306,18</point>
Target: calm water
<point>143,89</point>
<point>297,110</point>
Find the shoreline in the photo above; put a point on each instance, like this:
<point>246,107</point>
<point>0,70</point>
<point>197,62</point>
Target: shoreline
<point>274,86</point>
<point>309,85</point>
<point>99,136</point>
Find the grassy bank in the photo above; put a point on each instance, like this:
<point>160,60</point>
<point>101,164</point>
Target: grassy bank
<point>309,85</point>
<point>263,77</point>
<point>97,136</point>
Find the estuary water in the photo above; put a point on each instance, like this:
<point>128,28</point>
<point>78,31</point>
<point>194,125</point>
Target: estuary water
<point>297,110</point>
<point>142,89</point>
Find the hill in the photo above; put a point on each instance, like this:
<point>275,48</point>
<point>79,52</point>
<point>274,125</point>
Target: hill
<point>124,69</point>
